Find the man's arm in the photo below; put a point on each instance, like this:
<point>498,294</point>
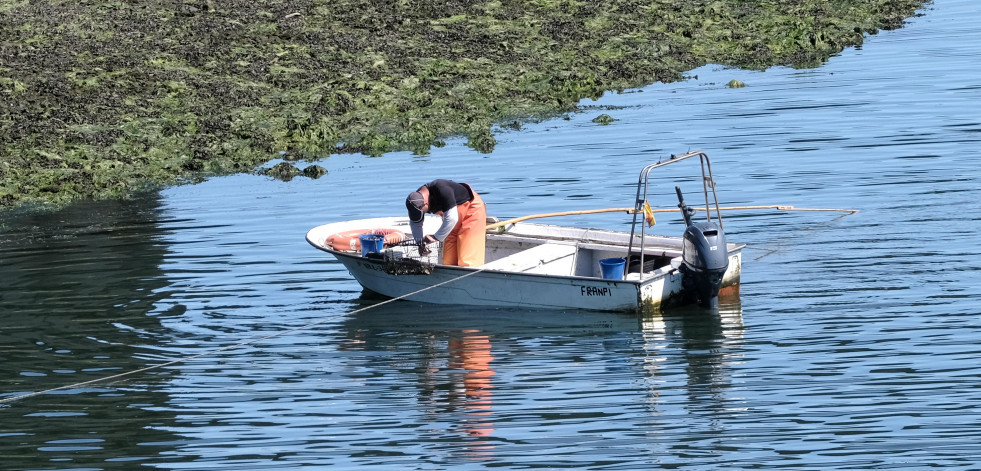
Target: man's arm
<point>450,217</point>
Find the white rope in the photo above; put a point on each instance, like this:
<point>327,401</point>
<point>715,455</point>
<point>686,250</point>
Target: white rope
<point>226,348</point>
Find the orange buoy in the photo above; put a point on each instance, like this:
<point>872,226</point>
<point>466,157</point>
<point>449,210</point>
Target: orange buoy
<point>349,240</point>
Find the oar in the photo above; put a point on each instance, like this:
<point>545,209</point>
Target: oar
<point>563,213</point>
<point>668,210</point>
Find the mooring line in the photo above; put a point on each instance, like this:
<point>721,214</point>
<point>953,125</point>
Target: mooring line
<point>228,347</point>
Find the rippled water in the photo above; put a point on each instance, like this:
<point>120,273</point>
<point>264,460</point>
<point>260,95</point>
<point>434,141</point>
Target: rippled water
<point>854,344</point>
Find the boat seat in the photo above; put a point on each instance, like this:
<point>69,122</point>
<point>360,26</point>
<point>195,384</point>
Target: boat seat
<point>550,259</point>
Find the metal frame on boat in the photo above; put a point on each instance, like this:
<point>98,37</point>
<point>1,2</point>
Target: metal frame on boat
<point>556,267</point>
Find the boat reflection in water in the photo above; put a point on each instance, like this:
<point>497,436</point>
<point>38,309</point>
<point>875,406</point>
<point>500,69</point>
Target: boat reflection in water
<point>470,353</point>
<point>450,352</point>
<point>479,377</point>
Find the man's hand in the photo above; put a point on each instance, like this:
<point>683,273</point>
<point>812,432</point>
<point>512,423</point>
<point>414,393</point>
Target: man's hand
<point>423,249</point>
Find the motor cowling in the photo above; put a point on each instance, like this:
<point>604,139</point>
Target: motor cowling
<point>705,259</point>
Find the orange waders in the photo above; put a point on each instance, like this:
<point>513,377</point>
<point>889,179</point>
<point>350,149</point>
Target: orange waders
<point>465,245</point>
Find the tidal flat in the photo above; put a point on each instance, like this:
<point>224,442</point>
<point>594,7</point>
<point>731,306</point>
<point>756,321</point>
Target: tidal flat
<point>101,99</point>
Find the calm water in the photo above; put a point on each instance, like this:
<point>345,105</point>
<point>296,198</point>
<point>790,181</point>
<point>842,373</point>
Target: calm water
<point>855,344</point>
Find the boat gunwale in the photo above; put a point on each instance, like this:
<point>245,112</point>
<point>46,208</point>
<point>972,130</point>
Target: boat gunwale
<point>397,221</point>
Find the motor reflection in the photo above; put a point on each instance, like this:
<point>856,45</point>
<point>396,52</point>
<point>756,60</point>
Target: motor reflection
<point>709,342</point>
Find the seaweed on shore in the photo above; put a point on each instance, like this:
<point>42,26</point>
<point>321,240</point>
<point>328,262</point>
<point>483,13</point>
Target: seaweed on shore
<point>99,98</point>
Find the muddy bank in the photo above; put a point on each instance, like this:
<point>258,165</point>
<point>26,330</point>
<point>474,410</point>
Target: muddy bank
<point>101,99</point>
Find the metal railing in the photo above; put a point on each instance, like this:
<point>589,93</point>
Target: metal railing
<point>643,187</point>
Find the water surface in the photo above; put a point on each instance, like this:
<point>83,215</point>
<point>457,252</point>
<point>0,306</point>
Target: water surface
<point>853,344</point>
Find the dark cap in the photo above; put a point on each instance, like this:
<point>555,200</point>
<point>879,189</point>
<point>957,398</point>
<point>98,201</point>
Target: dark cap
<point>414,203</point>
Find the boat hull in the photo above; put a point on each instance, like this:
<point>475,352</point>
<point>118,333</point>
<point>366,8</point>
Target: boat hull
<point>495,287</point>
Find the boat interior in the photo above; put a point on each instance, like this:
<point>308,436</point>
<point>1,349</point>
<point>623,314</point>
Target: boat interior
<point>561,251</point>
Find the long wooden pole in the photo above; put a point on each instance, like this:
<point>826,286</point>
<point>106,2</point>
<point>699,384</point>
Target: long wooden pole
<point>563,213</point>
<point>667,210</point>
<point>777,206</point>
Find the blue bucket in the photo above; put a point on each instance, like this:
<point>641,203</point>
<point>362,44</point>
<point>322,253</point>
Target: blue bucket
<point>612,268</point>
<point>371,243</point>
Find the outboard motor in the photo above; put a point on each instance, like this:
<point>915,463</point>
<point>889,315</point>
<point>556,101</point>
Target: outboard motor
<point>704,257</point>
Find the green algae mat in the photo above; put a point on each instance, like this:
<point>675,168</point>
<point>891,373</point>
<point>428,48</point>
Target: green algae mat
<point>105,98</point>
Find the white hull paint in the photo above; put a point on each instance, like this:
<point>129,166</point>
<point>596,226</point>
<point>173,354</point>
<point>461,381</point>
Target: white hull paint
<point>531,265</point>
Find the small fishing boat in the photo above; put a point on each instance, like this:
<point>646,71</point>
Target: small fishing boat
<point>543,266</point>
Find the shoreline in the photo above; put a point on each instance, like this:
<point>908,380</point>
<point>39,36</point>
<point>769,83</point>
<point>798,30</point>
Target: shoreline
<point>103,101</point>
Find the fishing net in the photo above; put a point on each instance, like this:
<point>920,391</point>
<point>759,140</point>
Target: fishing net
<point>404,258</point>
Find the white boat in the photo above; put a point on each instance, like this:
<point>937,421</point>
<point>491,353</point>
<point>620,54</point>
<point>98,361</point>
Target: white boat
<point>544,266</point>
